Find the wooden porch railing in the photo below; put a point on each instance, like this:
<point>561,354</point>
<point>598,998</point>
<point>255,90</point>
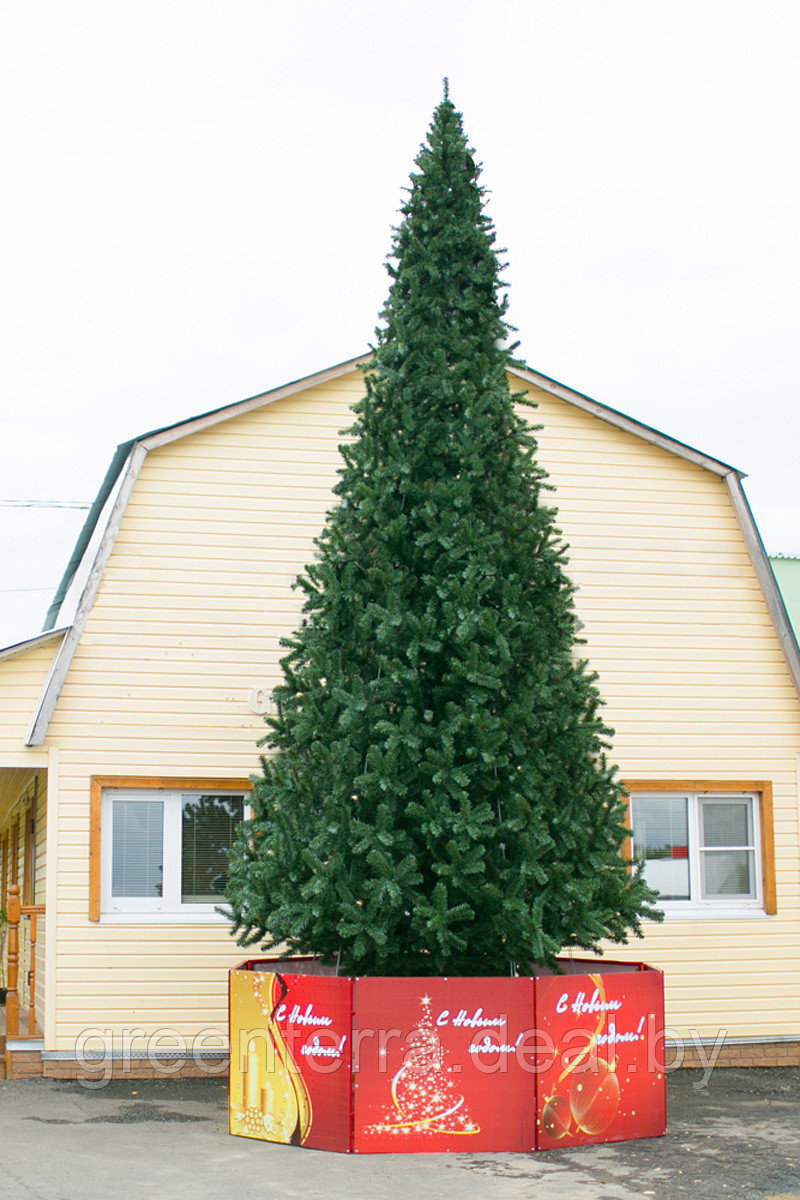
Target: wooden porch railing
<point>16,913</point>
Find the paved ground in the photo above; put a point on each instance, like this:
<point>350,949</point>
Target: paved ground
<point>738,1139</point>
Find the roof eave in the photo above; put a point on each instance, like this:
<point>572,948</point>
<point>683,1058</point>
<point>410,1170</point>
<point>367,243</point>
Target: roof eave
<point>169,433</point>
<point>131,455</point>
<point>39,639</point>
<point>772,593</point>
<point>621,421</point>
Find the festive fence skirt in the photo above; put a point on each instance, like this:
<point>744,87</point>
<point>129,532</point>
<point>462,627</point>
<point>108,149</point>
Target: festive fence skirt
<point>436,1064</point>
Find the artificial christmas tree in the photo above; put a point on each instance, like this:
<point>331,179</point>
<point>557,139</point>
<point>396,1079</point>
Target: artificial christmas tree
<point>436,797</point>
<point>436,801</point>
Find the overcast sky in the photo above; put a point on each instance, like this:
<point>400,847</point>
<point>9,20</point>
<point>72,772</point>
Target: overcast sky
<point>198,199</point>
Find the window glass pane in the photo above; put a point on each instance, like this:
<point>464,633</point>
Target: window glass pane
<point>726,824</point>
<point>137,867</point>
<point>661,839</point>
<point>727,873</point>
<point>208,824</point>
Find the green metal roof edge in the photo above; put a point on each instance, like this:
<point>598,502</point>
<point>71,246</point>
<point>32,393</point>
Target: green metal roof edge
<point>124,449</point>
<point>121,455</point>
<point>85,536</point>
<point>521,365</point>
<point>212,412</point>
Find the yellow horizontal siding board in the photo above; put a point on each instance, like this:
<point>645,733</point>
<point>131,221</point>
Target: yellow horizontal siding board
<point>21,679</point>
<point>163,992</point>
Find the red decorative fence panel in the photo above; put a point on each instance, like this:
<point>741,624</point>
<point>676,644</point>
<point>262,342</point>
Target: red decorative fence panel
<point>374,1065</point>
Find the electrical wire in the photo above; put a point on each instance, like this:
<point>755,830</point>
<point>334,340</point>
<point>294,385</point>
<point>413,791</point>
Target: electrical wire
<point>44,504</point>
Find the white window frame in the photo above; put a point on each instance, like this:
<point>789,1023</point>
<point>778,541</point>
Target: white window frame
<point>698,907</point>
<point>167,908</point>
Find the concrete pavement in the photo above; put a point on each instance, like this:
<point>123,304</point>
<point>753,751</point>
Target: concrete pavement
<point>736,1139</point>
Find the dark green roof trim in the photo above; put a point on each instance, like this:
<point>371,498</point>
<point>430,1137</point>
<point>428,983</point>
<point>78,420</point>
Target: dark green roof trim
<point>213,412</point>
<point>85,536</point>
<point>766,575</point>
<point>120,457</point>
<point>123,451</point>
<point>632,423</point>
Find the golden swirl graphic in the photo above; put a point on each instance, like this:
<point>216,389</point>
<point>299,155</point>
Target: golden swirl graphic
<point>593,1097</point>
<point>597,980</point>
<point>278,1090</point>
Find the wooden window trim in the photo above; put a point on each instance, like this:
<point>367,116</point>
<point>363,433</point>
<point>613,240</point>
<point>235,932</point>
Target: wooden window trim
<point>146,783</point>
<point>761,787</point>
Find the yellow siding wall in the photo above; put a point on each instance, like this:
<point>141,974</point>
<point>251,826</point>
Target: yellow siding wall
<point>197,594</point>
<point>21,679</point>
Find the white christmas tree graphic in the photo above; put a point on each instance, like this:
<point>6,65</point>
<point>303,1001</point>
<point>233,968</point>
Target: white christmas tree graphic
<point>424,1096</point>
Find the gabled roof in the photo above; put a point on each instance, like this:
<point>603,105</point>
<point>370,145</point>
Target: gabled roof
<point>170,433</point>
<point>129,456</point>
<point>613,417</point>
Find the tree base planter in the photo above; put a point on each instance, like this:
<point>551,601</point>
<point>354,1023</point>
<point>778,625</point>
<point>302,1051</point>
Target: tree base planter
<point>376,1065</point>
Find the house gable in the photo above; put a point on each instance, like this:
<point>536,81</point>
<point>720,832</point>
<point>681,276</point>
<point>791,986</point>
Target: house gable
<point>187,432</point>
